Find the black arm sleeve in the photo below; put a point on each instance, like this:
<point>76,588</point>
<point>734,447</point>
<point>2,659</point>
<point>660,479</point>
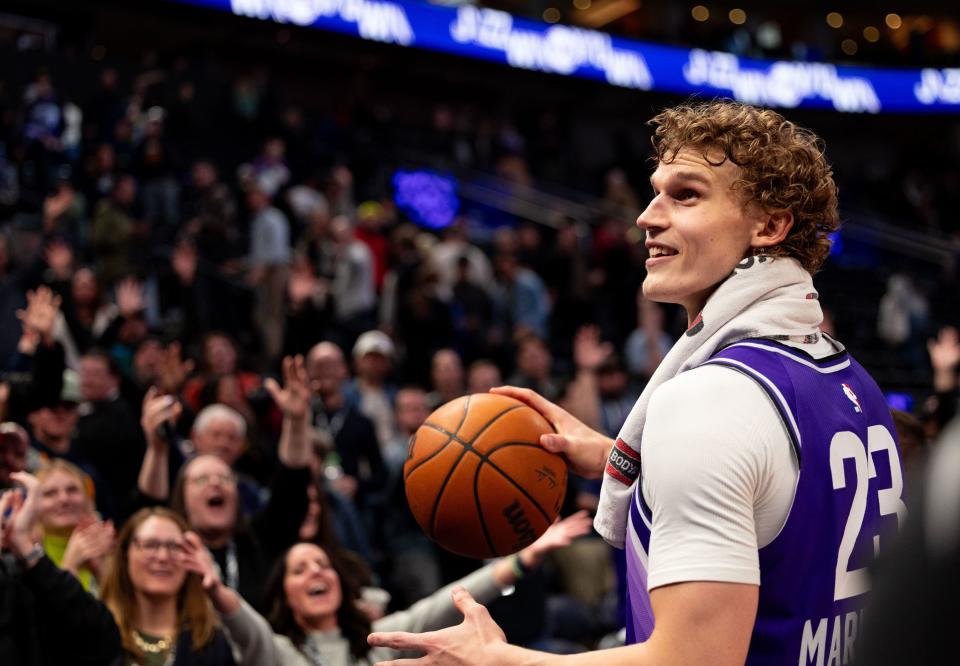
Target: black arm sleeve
<point>278,525</point>
<point>71,616</point>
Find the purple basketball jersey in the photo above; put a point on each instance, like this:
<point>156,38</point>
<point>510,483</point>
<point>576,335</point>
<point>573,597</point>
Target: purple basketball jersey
<point>848,505</point>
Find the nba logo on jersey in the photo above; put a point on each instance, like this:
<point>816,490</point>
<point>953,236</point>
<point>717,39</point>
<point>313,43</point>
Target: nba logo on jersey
<point>847,391</point>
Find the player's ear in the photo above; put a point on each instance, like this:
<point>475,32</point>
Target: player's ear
<point>772,228</point>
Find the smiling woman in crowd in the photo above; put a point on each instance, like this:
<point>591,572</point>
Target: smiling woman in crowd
<point>316,610</point>
<point>163,614</point>
<point>73,537</point>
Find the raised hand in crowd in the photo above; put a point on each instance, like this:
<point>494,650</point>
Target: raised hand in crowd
<point>195,558</point>
<point>158,409</point>
<point>89,544</point>
<point>130,300</point>
<point>589,352</point>
<point>184,262</point>
<point>562,533</point>
<point>293,398</point>
<point>304,286</point>
<point>19,513</point>
<point>59,257</point>
<point>173,370</point>
<point>945,359</point>
<point>55,205</point>
<point>39,318</point>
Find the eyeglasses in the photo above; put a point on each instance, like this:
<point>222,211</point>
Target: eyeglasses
<point>206,479</point>
<point>152,547</point>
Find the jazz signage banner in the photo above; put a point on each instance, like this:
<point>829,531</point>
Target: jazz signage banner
<point>500,37</point>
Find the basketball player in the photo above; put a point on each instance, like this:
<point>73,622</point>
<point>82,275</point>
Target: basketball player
<point>757,475</point>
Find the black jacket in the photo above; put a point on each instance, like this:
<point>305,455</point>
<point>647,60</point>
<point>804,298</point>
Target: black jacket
<point>46,617</point>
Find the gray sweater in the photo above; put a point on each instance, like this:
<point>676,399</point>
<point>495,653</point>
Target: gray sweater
<point>435,612</point>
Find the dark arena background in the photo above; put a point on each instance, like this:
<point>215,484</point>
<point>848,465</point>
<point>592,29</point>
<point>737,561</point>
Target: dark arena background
<point>424,201</point>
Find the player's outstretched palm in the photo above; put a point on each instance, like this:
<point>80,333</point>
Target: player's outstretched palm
<point>294,398</point>
<point>585,449</point>
<point>467,643</point>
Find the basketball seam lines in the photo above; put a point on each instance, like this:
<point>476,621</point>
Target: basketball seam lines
<point>476,500</point>
<point>468,446</point>
<point>484,458</point>
<point>450,436</point>
<point>443,486</point>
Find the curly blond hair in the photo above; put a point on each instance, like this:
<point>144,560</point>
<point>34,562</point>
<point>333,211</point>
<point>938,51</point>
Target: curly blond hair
<point>782,167</point>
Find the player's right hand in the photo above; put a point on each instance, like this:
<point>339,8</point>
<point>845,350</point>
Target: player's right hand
<point>584,449</point>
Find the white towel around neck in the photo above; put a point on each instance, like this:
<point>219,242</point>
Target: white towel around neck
<point>763,297</point>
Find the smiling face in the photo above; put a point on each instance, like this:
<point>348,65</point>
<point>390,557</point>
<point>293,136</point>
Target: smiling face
<point>210,496</point>
<point>312,587</point>
<point>63,502</point>
<point>697,229</point>
<point>153,558</point>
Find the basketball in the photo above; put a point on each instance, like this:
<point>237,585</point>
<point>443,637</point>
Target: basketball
<point>477,480</point>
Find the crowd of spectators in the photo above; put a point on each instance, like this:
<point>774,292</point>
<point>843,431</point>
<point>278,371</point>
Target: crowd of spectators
<point>215,355</point>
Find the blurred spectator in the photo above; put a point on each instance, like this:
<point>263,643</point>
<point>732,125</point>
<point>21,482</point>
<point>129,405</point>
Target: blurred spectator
<point>53,423</point>
<point>648,343</point>
<point>14,453</point>
<point>43,128</point>
<point>210,214</point>
<point>521,300</point>
<point>565,274</point>
<point>156,165</point>
<point>269,170</point>
<point>447,255</point>
<point>221,431</point>
<point>619,194</point>
<point>339,192</point>
<point>372,362</point>
<point>534,367</point>
<point>73,537</point>
<point>306,200</point>
<point>413,567</point>
<point>219,358</point>
<point>114,232</point>
<point>99,173</point>
<point>353,291</point>
<point>483,375</point>
<point>902,317</point>
<point>911,442</point>
<point>446,378</point>
<point>332,521</point>
<point>64,212</point>
<point>371,219</point>
<point>423,321</point>
<point>361,472</point>
<point>269,267</point>
<point>472,312</point>
<point>108,436</point>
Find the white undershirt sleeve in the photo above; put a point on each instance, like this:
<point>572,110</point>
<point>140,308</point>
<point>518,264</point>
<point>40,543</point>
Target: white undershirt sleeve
<point>719,475</point>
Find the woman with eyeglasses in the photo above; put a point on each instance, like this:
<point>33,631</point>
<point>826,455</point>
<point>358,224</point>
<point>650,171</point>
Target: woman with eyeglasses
<point>163,612</point>
<point>317,609</point>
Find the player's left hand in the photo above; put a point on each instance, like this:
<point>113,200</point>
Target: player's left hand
<point>469,642</point>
